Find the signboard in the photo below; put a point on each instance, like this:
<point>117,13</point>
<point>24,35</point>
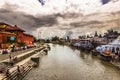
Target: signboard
<point>3,26</point>
<point>12,38</point>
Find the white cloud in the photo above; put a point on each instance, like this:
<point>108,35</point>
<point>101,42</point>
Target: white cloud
<point>59,6</point>
<point>55,6</point>
<point>33,7</point>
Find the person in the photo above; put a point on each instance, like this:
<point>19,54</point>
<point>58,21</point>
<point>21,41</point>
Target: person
<point>6,51</point>
<point>22,68</point>
<point>11,62</point>
<point>115,57</point>
<point>7,73</point>
<point>15,59</point>
<point>3,51</point>
<point>13,48</point>
<point>110,49</point>
<point>119,55</point>
<point>18,72</point>
<point>113,49</point>
<point>18,69</point>
<point>117,49</point>
<point>10,56</point>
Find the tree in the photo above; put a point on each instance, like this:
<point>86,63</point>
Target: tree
<point>100,36</point>
<point>35,39</point>
<point>82,37</point>
<point>88,36</point>
<point>22,44</point>
<point>55,38</point>
<point>96,34</point>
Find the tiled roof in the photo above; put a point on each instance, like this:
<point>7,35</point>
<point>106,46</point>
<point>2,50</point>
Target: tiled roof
<point>9,27</point>
<point>15,28</point>
<point>7,33</point>
<point>2,23</point>
<point>28,34</point>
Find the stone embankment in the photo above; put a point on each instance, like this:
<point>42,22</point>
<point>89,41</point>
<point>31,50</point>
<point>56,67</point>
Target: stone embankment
<point>24,60</point>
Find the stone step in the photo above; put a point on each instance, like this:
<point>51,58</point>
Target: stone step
<point>16,76</point>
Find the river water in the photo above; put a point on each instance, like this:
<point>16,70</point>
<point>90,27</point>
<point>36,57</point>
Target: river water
<point>65,63</point>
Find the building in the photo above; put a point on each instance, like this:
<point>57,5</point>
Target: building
<point>13,34</point>
<point>111,35</point>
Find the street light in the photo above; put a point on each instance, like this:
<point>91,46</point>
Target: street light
<point>39,34</point>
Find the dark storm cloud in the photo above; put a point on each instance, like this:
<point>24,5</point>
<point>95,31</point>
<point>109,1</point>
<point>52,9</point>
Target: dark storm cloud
<point>105,1</point>
<point>69,15</point>
<point>28,22</point>
<point>87,23</point>
<point>4,11</point>
<point>65,28</point>
<point>44,21</point>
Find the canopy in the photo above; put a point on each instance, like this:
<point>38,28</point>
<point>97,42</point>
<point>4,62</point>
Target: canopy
<point>115,42</point>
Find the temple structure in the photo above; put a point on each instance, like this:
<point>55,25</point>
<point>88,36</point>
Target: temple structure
<point>13,35</point>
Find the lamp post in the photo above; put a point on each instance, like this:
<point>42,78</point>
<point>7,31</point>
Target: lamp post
<point>39,34</point>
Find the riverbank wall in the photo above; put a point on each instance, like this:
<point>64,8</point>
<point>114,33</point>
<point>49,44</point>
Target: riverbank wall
<point>23,56</point>
<point>23,60</point>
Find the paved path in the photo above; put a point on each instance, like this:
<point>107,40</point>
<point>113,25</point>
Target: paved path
<point>6,56</point>
<point>19,53</point>
<point>1,76</point>
<point>23,61</point>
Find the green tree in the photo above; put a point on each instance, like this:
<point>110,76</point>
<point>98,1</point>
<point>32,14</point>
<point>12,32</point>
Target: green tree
<point>35,39</point>
<point>96,34</point>
<point>55,38</point>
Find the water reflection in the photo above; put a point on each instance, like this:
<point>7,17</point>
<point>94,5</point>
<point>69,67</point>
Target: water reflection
<point>64,63</point>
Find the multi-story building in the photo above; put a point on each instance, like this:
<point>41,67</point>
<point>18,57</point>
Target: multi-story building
<point>13,34</point>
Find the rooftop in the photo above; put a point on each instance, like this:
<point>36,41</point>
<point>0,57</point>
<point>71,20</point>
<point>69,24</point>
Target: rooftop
<point>15,28</point>
<point>28,34</point>
<point>7,33</point>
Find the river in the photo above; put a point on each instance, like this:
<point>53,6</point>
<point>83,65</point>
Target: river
<point>65,63</point>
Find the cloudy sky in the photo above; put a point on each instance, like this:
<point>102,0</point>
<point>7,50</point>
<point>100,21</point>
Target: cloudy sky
<point>57,17</point>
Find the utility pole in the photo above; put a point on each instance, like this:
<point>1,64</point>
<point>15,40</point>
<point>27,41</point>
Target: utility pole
<point>38,34</point>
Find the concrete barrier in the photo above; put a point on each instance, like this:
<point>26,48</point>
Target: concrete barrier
<point>23,56</point>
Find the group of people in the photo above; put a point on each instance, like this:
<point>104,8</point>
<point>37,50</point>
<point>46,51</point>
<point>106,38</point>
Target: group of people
<point>116,56</point>
<point>5,51</point>
<point>12,59</point>
<point>115,51</point>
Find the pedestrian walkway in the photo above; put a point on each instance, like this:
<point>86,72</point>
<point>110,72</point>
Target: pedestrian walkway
<point>6,56</point>
<point>18,54</point>
<point>23,62</point>
<point>1,76</point>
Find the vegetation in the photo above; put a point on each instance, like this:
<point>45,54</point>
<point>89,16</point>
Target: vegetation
<point>82,37</point>
<point>22,44</point>
<point>56,38</point>
<point>35,39</point>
